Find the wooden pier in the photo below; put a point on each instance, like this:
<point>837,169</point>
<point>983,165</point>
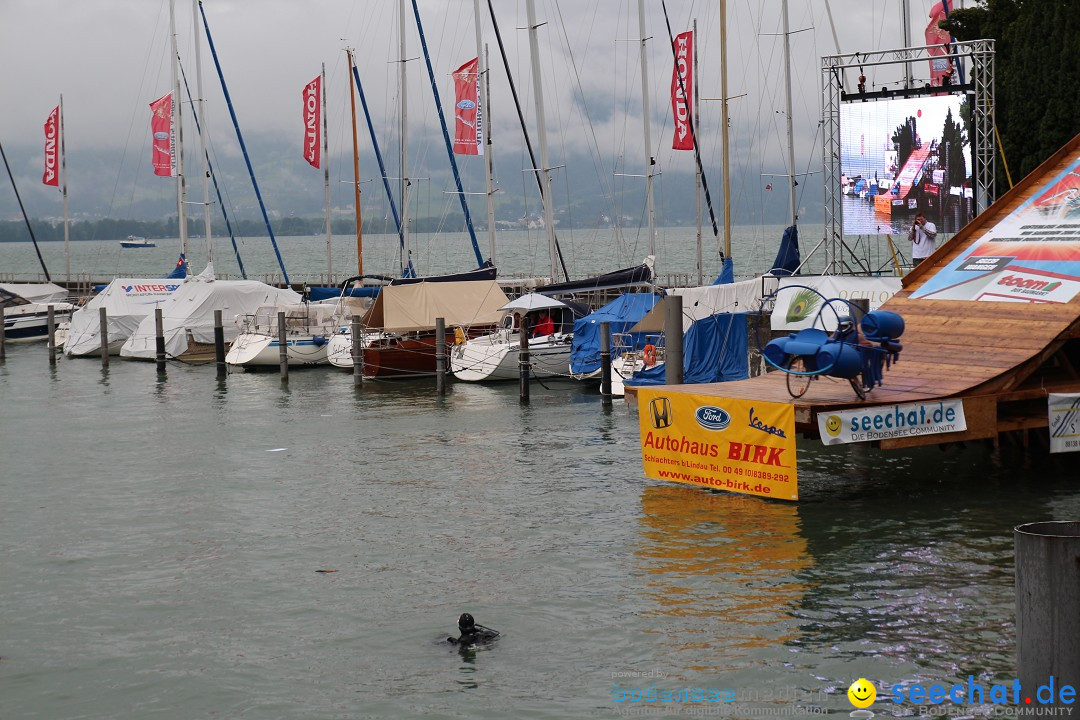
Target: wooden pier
<point>1001,359</point>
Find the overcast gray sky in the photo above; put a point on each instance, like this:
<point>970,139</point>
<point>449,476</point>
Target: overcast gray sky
<point>110,58</point>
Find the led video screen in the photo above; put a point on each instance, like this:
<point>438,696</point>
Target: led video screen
<point>903,156</point>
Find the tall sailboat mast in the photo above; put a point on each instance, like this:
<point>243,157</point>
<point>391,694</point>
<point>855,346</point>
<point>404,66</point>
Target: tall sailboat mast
<point>63,183</point>
<point>697,170</point>
<point>790,127</point>
<point>724,123</point>
<point>649,209</point>
<point>356,169</point>
<point>406,260</point>
<point>178,147</point>
<point>485,117</point>
<point>541,125</point>
<point>200,112</point>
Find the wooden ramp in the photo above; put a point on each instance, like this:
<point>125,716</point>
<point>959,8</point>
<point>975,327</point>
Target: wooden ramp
<point>1001,358</point>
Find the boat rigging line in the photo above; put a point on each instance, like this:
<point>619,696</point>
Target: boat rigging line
<point>25,218</point>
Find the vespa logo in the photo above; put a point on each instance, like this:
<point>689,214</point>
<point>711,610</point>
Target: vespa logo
<point>660,412</point>
<point>466,104</point>
<point>711,417</point>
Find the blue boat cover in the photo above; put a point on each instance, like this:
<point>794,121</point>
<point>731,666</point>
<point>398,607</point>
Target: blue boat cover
<point>787,259</point>
<point>622,313</point>
<point>714,350</point>
<point>727,273</point>
<point>318,293</point>
<point>180,271</point>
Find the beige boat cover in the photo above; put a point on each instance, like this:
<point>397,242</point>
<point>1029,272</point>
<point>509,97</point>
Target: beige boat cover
<point>405,308</point>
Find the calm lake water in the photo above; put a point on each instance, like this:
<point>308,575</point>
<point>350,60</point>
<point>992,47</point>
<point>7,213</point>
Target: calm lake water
<point>160,542</point>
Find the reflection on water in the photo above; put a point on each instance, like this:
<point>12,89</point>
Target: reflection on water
<point>727,566</point>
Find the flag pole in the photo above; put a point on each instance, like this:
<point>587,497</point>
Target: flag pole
<point>326,180</point>
<point>63,181</point>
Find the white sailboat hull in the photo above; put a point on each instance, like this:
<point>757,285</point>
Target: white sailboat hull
<point>257,350</point>
<point>495,357</point>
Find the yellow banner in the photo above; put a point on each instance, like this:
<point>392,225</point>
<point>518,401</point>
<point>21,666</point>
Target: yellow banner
<point>744,446</point>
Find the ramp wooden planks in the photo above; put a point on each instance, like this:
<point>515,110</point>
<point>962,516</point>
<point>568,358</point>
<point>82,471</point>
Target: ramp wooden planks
<point>1001,358</point>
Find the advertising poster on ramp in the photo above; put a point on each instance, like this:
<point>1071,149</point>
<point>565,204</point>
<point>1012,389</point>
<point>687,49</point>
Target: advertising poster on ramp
<point>1031,255</point>
<point>744,446</point>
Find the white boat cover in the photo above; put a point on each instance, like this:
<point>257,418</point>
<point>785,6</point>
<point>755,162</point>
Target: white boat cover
<point>406,308</point>
<point>127,301</point>
<point>191,309</point>
<point>297,316</point>
<point>708,300</point>
<point>36,292</point>
<point>533,301</point>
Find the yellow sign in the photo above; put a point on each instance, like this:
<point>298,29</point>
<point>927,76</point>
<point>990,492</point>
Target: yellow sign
<point>745,446</point>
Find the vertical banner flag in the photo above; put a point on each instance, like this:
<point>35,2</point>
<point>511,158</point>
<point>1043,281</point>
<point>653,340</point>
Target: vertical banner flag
<point>52,136</point>
<point>936,38</point>
<point>469,124</point>
<point>744,446</point>
<point>161,127</point>
<point>682,104</point>
<point>312,131</point>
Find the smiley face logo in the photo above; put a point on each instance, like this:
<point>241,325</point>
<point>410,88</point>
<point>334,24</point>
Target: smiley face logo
<point>833,425</point>
<point>862,693</point>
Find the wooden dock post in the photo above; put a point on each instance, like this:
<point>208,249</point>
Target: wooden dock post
<point>523,360</point>
<point>52,334</point>
<point>159,339</point>
<point>1048,608</point>
<point>103,332</point>
<point>673,340</point>
<point>357,353</point>
<point>219,345</point>
<point>3,337</point>
<point>440,356</point>
<point>605,364</point>
<point>283,346</point>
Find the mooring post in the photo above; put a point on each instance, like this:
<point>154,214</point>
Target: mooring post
<point>3,337</point>
<point>440,356</point>
<point>605,364</point>
<point>673,339</point>
<point>1048,610</point>
<point>523,359</point>
<point>283,347</point>
<point>52,334</point>
<point>357,353</point>
<point>159,339</point>
<point>103,332</point>
<point>219,345</point>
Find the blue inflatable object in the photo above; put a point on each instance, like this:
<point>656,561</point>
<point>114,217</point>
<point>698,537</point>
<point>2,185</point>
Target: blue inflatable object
<point>881,325</point>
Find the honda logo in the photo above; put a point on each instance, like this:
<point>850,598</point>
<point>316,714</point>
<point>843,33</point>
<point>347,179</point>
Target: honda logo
<point>660,412</point>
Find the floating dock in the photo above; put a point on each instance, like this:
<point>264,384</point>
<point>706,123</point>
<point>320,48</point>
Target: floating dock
<point>992,318</point>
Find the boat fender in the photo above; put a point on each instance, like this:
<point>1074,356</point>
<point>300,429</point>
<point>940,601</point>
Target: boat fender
<point>648,354</point>
<point>318,340</point>
<point>459,336</point>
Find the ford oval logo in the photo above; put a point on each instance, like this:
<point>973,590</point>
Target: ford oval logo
<point>466,104</point>
<point>711,417</point>
<point>161,136</point>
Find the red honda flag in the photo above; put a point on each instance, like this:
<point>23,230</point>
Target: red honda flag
<point>682,103</point>
<point>938,40</point>
<point>52,137</point>
<point>469,122</point>
<point>312,121</point>
<point>161,127</point>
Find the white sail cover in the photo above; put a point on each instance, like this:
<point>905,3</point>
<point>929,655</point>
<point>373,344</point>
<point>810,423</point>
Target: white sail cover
<point>708,300</point>
<point>37,292</point>
<point>127,301</point>
<point>191,310</point>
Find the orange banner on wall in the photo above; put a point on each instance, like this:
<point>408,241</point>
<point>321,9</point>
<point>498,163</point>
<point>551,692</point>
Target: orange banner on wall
<point>744,446</point>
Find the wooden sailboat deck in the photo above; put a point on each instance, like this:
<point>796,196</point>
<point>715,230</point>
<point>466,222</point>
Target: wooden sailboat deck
<point>1000,358</point>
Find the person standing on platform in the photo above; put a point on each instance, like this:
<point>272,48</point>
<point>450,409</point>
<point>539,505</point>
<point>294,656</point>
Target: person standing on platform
<point>922,235</point>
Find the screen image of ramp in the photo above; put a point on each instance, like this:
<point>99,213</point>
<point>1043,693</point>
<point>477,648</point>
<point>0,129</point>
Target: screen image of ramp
<point>902,156</point>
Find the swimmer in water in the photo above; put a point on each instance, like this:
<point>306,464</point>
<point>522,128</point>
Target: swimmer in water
<point>471,633</point>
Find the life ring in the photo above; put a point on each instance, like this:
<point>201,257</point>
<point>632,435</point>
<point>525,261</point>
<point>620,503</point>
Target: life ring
<point>648,354</point>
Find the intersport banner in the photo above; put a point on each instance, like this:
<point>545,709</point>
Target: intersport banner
<point>52,137</point>
<point>469,116</point>
<point>744,446</point>
<point>682,104</point>
<point>312,121</point>
<point>163,132</point>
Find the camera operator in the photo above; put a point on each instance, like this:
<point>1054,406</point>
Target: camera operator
<point>922,236</point>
